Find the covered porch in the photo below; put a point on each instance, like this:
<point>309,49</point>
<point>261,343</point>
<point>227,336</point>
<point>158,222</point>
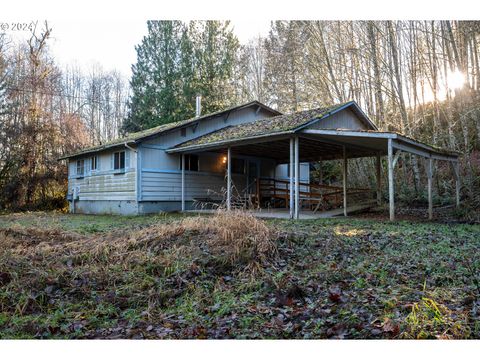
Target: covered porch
<point>302,200</point>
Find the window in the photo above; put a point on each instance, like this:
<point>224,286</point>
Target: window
<point>80,167</point>
<point>94,163</point>
<point>119,160</point>
<point>191,162</point>
<point>183,132</point>
<point>238,166</point>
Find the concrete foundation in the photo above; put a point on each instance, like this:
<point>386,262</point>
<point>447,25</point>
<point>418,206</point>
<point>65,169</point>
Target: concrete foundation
<point>128,207</point>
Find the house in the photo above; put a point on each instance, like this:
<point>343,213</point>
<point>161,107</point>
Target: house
<point>248,155</point>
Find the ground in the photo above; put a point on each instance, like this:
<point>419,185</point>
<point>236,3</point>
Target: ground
<point>169,276</point>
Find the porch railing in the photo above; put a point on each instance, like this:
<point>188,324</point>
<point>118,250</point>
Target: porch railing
<point>276,193</point>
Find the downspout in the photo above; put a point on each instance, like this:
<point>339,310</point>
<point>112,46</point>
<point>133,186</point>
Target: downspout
<point>130,148</point>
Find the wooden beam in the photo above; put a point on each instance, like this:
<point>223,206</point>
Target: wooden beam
<point>229,178</point>
<point>379,180</point>
<point>430,177</point>
<point>183,182</point>
<point>291,173</point>
<point>391,191</point>
<point>456,173</point>
<point>345,174</point>
<point>297,179</point>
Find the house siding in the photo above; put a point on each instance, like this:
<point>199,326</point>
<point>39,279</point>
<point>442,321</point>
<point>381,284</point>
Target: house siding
<point>104,183</point>
<point>344,119</point>
<point>160,178</point>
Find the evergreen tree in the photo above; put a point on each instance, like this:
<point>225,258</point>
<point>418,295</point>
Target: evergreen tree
<point>154,81</point>
<point>176,62</point>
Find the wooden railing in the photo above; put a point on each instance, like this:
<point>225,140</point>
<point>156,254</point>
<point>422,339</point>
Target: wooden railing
<point>315,196</point>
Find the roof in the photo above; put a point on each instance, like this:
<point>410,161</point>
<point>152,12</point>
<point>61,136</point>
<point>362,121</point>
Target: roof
<point>283,126</point>
<point>276,125</point>
<point>161,129</point>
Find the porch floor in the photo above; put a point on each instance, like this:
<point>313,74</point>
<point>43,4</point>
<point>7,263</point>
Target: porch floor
<point>304,214</point>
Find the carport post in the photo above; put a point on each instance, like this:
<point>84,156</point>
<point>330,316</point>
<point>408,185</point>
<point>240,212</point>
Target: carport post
<point>456,171</point>
<point>229,179</point>
<point>429,184</point>
<point>379,180</point>
<point>291,172</point>
<point>345,171</point>
<point>183,182</point>
<point>391,192</point>
<point>297,179</point>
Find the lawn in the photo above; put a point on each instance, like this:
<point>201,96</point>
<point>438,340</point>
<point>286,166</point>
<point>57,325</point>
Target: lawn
<point>174,276</point>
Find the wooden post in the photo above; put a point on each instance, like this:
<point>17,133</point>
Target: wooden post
<point>229,179</point>
<point>456,172</point>
<point>320,164</point>
<point>183,182</point>
<point>291,172</point>
<point>379,180</point>
<point>345,173</point>
<point>391,191</point>
<point>297,179</point>
<point>430,176</point>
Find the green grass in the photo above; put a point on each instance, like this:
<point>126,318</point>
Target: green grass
<point>340,278</point>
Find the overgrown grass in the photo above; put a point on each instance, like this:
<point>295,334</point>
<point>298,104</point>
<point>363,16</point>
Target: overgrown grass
<point>233,276</point>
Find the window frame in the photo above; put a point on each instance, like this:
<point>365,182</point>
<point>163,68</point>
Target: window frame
<point>188,162</point>
<point>94,161</point>
<point>119,161</point>
<point>238,161</point>
<point>77,167</point>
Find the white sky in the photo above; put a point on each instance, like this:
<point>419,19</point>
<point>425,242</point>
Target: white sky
<point>111,43</point>
<point>106,32</point>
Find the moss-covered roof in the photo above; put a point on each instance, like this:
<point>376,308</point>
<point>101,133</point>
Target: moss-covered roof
<point>134,137</point>
<point>268,126</point>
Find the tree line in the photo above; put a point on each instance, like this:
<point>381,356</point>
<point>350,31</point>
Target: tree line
<point>46,112</point>
<point>420,78</point>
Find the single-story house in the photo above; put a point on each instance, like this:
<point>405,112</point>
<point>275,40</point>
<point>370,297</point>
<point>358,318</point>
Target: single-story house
<point>249,155</point>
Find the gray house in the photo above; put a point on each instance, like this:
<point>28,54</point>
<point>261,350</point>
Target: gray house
<point>249,155</point>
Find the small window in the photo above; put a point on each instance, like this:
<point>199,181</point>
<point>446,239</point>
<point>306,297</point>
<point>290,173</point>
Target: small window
<point>238,166</point>
<point>119,160</point>
<point>80,167</point>
<point>94,163</point>
<point>183,132</point>
<point>191,162</point>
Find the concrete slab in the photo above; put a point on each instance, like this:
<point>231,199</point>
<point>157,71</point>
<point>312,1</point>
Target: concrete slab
<point>304,214</point>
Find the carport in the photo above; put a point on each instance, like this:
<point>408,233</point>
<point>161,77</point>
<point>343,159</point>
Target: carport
<point>299,141</point>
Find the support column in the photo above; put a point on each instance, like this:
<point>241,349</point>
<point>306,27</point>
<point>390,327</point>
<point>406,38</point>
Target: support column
<point>345,173</point>
<point>183,182</point>
<point>379,180</point>
<point>391,192</point>
<point>430,176</point>
<point>229,179</point>
<point>456,171</point>
<point>297,179</point>
<point>291,173</point>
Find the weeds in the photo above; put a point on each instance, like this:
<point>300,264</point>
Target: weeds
<point>232,275</point>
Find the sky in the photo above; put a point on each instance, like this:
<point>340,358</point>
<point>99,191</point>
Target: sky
<point>111,43</point>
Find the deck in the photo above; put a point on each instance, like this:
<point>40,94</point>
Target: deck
<point>279,213</point>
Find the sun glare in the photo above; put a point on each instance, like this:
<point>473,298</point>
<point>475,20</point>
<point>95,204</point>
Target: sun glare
<point>455,79</point>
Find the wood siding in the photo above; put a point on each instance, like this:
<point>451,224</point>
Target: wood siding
<point>160,172</point>
<point>105,183</point>
<point>344,119</point>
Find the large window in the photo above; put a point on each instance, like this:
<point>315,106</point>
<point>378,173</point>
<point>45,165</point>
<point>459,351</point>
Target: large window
<point>94,163</point>
<point>238,166</point>
<point>191,162</point>
<point>119,160</point>
<point>80,167</point>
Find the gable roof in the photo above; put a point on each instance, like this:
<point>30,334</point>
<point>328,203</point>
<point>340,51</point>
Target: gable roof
<point>164,128</point>
<point>277,125</point>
